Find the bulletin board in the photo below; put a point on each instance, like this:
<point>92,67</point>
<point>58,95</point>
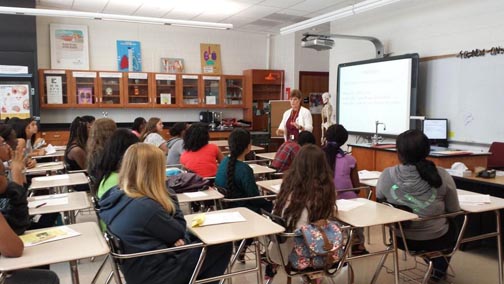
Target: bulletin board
<point>277,110</point>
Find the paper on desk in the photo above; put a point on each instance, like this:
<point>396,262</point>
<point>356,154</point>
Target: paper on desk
<point>195,194</point>
<point>222,218</point>
<point>48,235</point>
<point>365,174</point>
<point>48,202</point>
<point>253,165</point>
<point>276,187</point>
<point>49,178</point>
<point>48,164</point>
<point>52,196</point>
<point>474,199</point>
<point>59,148</point>
<point>499,173</point>
<point>347,205</point>
<point>50,149</point>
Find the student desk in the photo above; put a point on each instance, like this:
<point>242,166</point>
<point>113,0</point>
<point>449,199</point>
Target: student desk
<point>88,244</point>
<point>269,155</point>
<point>254,226</point>
<point>225,144</point>
<point>259,170</point>
<point>76,201</point>
<point>371,213</point>
<point>377,159</point>
<point>272,185</point>
<point>204,195</point>
<point>58,181</point>
<point>57,154</point>
<point>46,168</point>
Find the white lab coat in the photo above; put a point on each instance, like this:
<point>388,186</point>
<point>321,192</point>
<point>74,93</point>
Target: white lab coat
<point>304,119</point>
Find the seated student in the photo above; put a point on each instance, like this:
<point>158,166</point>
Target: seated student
<point>236,176</point>
<point>428,190</point>
<point>346,176</point>
<point>89,120</point>
<point>26,129</point>
<point>138,126</point>
<point>9,135</point>
<point>152,134</point>
<point>288,150</point>
<point>144,216</point>
<point>75,152</point>
<point>109,163</point>
<point>307,194</point>
<point>176,143</point>
<point>101,130</point>
<point>12,246</point>
<point>199,156</point>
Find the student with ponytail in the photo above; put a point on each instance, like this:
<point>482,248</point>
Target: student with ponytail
<point>428,190</point>
<point>236,176</point>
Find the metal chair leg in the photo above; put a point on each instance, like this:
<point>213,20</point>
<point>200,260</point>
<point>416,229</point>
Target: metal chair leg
<point>100,269</point>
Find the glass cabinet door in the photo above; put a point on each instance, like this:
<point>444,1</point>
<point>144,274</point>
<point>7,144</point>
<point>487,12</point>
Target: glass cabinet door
<point>233,90</point>
<point>211,89</point>
<point>190,90</point>
<point>85,88</point>
<point>110,89</point>
<point>138,89</point>
<point>166,89</point>
<point>55,88</point>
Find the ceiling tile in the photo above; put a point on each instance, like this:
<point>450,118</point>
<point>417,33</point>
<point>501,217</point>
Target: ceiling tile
<point>340,5</point>
<point>122,7</point>
<point>89,5</point>
<point>282,3</point>
<point>182,15</point>
<point>155,8</point>
<point>315,5</point>
<point>257,12</point>
<point>59,4</point>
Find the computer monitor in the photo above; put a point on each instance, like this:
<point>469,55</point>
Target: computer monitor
<point>436,129</point>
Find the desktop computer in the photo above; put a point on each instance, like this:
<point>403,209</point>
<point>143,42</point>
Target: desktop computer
<point>436,129</point>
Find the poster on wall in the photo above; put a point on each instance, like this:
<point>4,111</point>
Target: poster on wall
<point>129,57</point>
<point>172,65</point>
<point>15,100</point>
<point>210,58</point>
<point>84,95</point>
<point>69,47</point>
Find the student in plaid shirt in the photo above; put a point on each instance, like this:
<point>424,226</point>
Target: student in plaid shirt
<point>289,149</point>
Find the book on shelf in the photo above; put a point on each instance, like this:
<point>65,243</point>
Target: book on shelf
<point>47,235</point>
<point>165,98</point>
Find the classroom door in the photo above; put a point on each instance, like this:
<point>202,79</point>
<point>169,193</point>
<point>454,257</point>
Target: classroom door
<point>309,83</point>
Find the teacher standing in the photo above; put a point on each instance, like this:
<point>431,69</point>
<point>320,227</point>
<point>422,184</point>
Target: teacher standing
<point>295,119</point>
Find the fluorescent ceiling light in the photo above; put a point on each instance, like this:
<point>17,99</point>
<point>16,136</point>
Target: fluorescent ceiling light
<point>336,15</point>
<point>112,17</point>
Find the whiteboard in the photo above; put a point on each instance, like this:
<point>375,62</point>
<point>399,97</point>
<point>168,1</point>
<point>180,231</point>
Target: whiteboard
<point>469,92</point>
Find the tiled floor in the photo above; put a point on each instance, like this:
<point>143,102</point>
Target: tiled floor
<point>471,267</point>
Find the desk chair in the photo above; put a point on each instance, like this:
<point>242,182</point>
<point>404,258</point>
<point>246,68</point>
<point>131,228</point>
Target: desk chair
<point>311,274</point>
<point>117,253</point>
<point>496,159</point>
<point>411,274</point>
<point>96,207</point>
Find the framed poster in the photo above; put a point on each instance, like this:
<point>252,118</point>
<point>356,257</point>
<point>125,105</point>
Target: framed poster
<point>84,95</point>
<point>15,100</point>
<point>172,65</point>
<point>129,57</point>
<point>69,47</point>
<point>54,90</point>
<point>210,58</point>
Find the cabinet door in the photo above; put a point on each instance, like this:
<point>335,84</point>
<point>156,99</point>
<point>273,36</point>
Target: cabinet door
<point>137,90</point>
<point>54,89</point>
<point>211,91</point>
<point>233,91</point>
<point>165,90</point>
<point>84,90</point>
<point>110,89</point>
<point>190,90</point>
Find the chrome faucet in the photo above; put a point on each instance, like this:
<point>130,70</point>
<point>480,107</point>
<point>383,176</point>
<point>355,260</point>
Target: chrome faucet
<point>375,138</point>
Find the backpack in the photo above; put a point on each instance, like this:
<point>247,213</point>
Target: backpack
<point>317,245</point>
<point>187,182</point>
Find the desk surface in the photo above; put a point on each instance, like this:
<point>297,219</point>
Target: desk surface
<point>372,213</point>
<point>269,155</point>
<point>88,244</point>
<point>209,194</point>
<point>498,180</point>
<point>58,180</point>
<point>59,153</point>
<point>46,167</point>
<point>76,201</point>
<point>255,226</point>
<point>496,203</point>
<point>271,185</point>
<point>258,169</point>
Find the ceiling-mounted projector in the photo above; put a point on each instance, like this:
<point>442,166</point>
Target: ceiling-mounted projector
<point>318,43</point>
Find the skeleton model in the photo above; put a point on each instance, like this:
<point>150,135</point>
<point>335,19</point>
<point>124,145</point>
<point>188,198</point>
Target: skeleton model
<point>326,115</point>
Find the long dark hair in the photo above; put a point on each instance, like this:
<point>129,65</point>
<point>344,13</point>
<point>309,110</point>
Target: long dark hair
<point>137,124</point>
<point>19,125</point>
<point>307,184</point>
<point>196,136</point>
<point>113,151</point>
<point>336,137</point>
<point>413,148</point>
<point>78,134</point>
<point>238,141</point>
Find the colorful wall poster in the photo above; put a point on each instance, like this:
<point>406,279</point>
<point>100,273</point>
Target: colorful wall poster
<point>172,65</point>
<point>166,98</point>
<point>210,58</point>
<point>69,47</point>
<point>84,95</point>
<point>129,57</point>
<point>15,100</point>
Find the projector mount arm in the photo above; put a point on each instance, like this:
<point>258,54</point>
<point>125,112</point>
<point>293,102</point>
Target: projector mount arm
<point>377,43</point>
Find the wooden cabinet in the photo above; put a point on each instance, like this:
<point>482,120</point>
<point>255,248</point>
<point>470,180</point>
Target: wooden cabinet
<point>110,89</point>
<point>211,91</point>
<point>54,89</point>
<point>137,92</point>
<point>191,90</point>
<point>165,89</point>
<point>232,91</point>
<point>56,138</point>
<point>263,86</point>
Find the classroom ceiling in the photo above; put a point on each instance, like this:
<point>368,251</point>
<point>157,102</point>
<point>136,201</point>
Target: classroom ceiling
<point>259,16</point>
